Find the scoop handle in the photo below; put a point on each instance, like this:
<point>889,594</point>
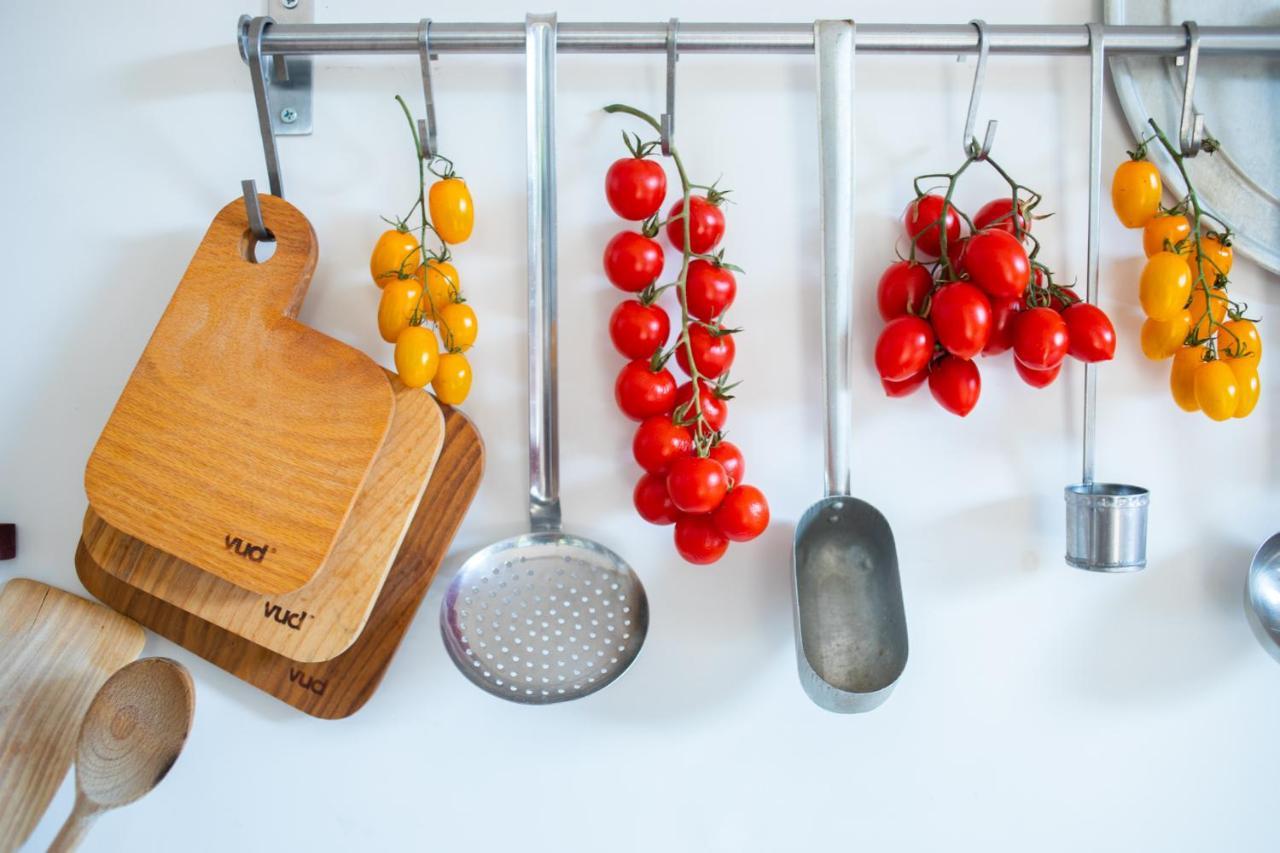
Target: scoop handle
<point>1097,79</point>
<point>544,436</point>
<point>834,46</point>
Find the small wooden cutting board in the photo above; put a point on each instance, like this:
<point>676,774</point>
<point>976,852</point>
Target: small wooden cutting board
<point>338,687</point>
<point>242,438</point>
<point>318,621</point>
<point>56,650</point>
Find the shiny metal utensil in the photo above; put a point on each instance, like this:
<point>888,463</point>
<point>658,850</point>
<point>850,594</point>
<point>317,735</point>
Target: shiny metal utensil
<point>851,632</point>
<point>1263,587</point>
<point>544,617</point>
<point>1106,522</point>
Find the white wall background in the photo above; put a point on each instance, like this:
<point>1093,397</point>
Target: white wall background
<point>1042,708</point>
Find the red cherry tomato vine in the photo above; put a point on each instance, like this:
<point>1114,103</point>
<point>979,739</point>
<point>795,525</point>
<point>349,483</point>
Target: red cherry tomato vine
<point>693,478</point>
<point>971,287</point>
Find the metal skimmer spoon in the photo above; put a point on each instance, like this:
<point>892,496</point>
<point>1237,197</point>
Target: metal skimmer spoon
<point>1263,587</point>
<point>851,632</point>
<point>544,617</point>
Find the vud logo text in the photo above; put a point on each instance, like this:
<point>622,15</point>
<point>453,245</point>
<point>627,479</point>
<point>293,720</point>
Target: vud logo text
<point>283,616</point>
<point>308,682</point>
<point>255,553</point>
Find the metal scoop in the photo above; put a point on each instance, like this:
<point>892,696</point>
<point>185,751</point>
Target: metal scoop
<point>544,617</point>
<point>1106,522</point>
<point>851,632</point>
<point>1263,587</point>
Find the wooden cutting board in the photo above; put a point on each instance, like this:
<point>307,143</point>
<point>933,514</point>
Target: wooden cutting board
<point>318,621</point>
<point>338,687</point>
<point>56,650</point>
<point>242,438</point>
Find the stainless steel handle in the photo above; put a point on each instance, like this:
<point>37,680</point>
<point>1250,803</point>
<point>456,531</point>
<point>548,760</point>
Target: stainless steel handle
<point>540,109</point>
<point>834,46</point>
<point>1097,77</point>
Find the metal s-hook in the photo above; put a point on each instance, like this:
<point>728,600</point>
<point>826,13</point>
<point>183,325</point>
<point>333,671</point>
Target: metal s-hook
<point>971,146</point>
<point>1191,128</point>
<point>668,119</point>
<point>254,209</point>
<point>258,74</point>
<point>427,127</point>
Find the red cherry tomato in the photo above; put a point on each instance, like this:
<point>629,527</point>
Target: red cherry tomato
<point>715,409</point>
<point>1059,301</point>
<point>902,289</point>
<point>961,318</point>
<point>635,187</point>
<point>698,541</point>
<point>641,391</point>
<point>706,225</point>
<point>742,515</point>
<point>728,455</point>
<point>709,289</point>
<point>1040,338</point>
<point>712,354</point>
<point>632,261</point>
<point>955,383</point>
<point>997,263</point>
<point>906,386</point>
<point>638,330</point>
<point>1004,312</point>
<point>904,347</point>
<point>696,484</point>
<point>998,213</point>
<point>652,501</point>
<point>658,442</point>
<point>921,221</point>
<point>1089,330</point>
<point>1037,378</point>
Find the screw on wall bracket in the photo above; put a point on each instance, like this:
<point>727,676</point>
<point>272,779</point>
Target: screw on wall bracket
<point>289,81</point>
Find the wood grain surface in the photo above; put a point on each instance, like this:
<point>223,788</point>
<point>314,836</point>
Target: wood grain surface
<point>323,617</point>
<point>56,651</point>
<point>338,687</point>
<point>242,438</point>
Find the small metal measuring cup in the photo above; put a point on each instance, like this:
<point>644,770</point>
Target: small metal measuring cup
<point>1106,522</point>
<point>543,617</point>
<point>851,632</point>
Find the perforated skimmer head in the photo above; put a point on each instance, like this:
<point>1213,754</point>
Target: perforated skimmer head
<point>544,618</point>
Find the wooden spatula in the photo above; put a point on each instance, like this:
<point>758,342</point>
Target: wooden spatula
<point>243,437</point>
<point>56,650</point>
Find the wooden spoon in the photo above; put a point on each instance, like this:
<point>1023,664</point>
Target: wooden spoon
<point>131,736</point>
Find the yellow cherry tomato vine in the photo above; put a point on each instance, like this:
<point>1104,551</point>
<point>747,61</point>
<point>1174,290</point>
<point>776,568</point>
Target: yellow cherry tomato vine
<point>422,310</point>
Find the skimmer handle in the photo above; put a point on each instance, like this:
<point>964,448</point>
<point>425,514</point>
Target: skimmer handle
<point>544,438</point>
<point>834,46</point>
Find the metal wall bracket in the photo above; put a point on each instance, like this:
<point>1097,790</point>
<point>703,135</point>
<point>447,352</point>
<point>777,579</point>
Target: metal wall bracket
<point>289,84</point>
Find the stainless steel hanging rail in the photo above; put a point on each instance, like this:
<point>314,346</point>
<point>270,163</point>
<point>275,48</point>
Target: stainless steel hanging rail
<point>310,39</point>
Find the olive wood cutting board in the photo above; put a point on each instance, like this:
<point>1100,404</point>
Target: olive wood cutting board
<point>242,438</point>
<point>338,687</point>
<point>56,650</point>
<point>319,620</point>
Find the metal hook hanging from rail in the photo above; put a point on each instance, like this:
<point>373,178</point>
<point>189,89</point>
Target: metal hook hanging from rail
<point>253,208</point>
<point>1191,127</point>
<point>258,73</point>
<point>426,127</point>
<point>668,120</point>
<point>971,146</point>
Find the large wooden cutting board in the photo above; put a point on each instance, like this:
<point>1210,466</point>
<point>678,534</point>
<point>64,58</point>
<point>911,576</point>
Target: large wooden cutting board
<point>56,650</point>
<point>321,619</point>
<point>242,438</point>
<point>339,687</point>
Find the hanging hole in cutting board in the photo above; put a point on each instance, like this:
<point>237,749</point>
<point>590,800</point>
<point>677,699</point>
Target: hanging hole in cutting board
<point>257,251</point>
